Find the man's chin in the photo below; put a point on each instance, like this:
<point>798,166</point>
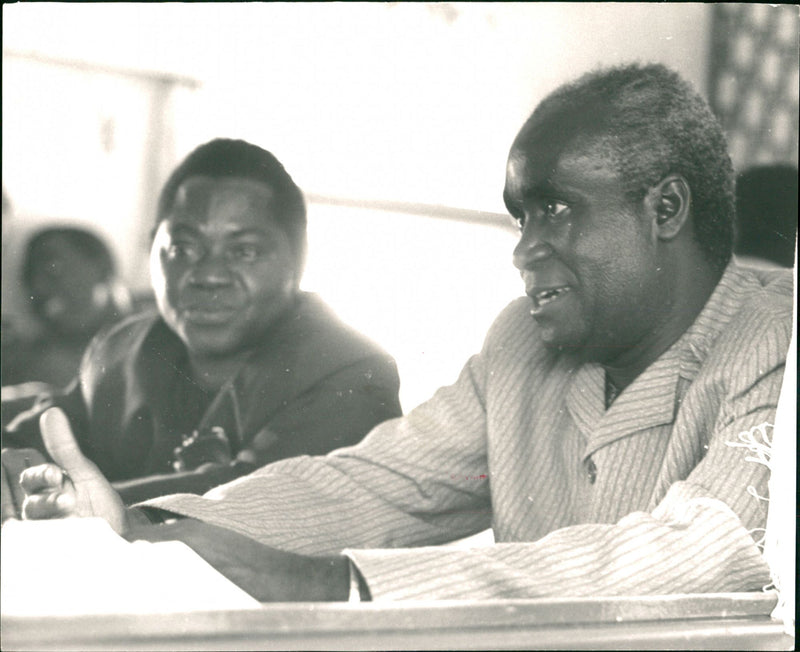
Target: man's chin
<point>558,338</point>
<point>212,345</point>
<point>584,352</point>
<point>569,346</point>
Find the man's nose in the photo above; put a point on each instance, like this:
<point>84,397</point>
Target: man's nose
<point>211,270</point>
<point>531,249</point>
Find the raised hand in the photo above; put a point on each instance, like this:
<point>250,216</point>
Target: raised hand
<point>73,486</point>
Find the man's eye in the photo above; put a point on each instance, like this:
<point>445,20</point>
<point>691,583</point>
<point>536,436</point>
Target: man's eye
<point>555,210</point>
<point>183,251</point>
<point>245,252</point>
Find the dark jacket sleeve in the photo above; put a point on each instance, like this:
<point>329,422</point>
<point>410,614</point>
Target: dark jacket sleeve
<point>337,411</point>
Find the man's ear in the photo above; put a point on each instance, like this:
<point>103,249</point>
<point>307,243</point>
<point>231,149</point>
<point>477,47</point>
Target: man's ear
<point>668,203</point>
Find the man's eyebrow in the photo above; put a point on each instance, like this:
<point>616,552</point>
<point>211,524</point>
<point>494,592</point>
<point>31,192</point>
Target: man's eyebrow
<point>247,231</point>
<point>235,232</point>
<point>543,188</point>
<point>526,191</point>
<point>178,226</point>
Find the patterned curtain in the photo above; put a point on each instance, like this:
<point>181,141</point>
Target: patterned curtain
<point>753,84</point>
<point>753,88</point>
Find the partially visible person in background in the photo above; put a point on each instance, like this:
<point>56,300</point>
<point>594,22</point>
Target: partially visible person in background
<point>766,215</point>
<point>69,280</point>
<point>238,367</point>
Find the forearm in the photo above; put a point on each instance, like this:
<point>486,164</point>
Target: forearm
<point>699,546</point>
<point>319,506</point>
<point>190,482</point>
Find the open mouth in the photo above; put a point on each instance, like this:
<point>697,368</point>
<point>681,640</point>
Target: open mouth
<point>541,299</point>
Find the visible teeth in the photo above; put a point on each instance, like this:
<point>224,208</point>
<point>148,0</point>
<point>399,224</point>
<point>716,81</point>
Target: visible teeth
<point>546,296</point>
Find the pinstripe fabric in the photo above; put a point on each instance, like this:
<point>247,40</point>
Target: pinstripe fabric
<point>510,444</point>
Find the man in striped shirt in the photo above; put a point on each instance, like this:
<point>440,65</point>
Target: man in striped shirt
<point>598,431</point>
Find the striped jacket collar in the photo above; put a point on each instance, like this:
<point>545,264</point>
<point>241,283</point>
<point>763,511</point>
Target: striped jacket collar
<point>652,399</point>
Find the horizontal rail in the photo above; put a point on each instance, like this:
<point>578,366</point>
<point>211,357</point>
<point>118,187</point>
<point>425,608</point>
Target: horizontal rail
<point>500,220</point>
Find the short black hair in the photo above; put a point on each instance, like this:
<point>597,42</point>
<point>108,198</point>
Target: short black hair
<point>92,249</point>
<point>651,123</point>
<point>766,213</point>
<point>224,158</point>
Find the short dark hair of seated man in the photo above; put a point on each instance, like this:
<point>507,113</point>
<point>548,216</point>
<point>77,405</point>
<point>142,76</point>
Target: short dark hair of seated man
<point>766,214</point>
<point>602,432</point>
<point>239,367</point>
<point>73,290</point>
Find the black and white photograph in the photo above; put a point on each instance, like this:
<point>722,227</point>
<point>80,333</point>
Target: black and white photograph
<point>399,325</point>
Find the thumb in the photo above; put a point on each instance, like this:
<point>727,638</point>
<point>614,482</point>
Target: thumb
<point>93,494</point>
<point>61,444</point>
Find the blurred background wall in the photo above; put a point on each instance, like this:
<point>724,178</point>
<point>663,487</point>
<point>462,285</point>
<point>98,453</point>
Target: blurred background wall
<point>398,102</point>
<point>416,102</point>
